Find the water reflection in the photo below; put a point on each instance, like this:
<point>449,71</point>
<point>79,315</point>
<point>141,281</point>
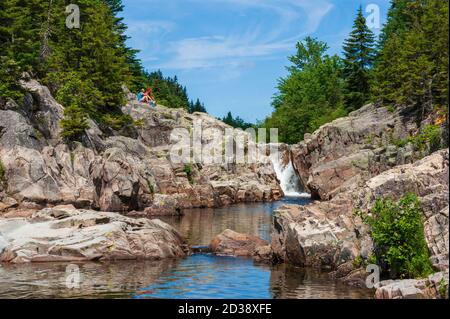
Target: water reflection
<point>206,276</point>
<point>199,226</point>
<point>197,276</point>
<point>118,279</point>
<point>288,282</point>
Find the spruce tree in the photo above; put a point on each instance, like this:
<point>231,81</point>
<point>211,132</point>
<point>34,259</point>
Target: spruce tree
<point>412,66</point>
<point>197,107</point>
<point>359,54</point>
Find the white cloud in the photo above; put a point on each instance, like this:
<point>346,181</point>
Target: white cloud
<point>146,36</point>
<point>235,50</point>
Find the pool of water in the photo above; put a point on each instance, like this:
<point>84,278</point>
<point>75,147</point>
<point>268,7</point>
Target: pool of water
<point>200,225</point>
<point>198,276</point>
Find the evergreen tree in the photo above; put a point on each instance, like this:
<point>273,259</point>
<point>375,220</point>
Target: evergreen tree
<point>134,64</point>
<point>359,55</point>
<point>412,66</point>
<point>196,107</point>
<point>167,90</point>
<point>236,122</point>
<point>20,33</point>
<point>92,55</point>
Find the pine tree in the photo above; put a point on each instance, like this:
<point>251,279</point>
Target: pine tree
<point>236,122</point>
<point>134,64</point>
<point>412,66</point>
<point>197,107</point>
<point>92,56</point>
<point>359,55</point>
<point>20,33</point>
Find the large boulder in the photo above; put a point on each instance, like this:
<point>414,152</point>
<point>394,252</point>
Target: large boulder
<point>117,182</point>
<point>231,243</point>
<point>329,234</point>
<point>15,130</point>
<point>64,233</point>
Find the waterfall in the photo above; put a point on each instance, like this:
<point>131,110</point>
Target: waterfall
<point>289,181</point>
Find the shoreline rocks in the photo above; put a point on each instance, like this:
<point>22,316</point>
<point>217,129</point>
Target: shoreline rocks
<point>64,233</point>
<point>329,234</point>
<point>433,287</point>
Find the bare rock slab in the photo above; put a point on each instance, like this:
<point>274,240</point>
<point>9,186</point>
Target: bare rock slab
<point>64,233</point>
<point>433,287</point>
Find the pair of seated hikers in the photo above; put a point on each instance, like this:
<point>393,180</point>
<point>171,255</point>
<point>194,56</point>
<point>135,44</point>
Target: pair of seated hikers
<point>146,97</point>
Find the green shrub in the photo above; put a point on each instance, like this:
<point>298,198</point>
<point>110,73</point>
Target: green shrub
<point>74,123</point>
<point>151,187</point>
<point>398,235</point>
<point>2,172</point>
<point>139,123</point>
<point>443,289</point>
<point>189,172</point>
<point>117,121</point>
<point>358,262</point>
<point>429,138</point>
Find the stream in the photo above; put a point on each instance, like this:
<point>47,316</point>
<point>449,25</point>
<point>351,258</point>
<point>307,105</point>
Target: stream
<point>198,276</point>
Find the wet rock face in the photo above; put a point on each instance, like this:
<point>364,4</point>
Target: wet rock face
<point>328,234</point>
<point>117,173</point>
<point>64,233</point>
<point>353,149</point>
<point>231,243</point>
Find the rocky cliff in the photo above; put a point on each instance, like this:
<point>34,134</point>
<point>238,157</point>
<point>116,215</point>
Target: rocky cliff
<point>355,148</point>
<point>129,172</point>
<point>350,163</point>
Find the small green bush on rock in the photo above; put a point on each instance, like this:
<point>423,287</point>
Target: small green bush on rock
<point>189,172</point>
<point>74,123</point>
<point>397,231</point>
<point>428,139</point>
<point>2,172</point>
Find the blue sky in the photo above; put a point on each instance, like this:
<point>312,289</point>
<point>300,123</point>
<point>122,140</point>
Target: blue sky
<point>230,53</point>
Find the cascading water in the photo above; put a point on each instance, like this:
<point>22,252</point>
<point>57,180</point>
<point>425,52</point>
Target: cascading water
<point>289,181</point>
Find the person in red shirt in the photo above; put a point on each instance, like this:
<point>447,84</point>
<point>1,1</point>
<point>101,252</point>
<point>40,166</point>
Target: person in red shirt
<point>148,97</point>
